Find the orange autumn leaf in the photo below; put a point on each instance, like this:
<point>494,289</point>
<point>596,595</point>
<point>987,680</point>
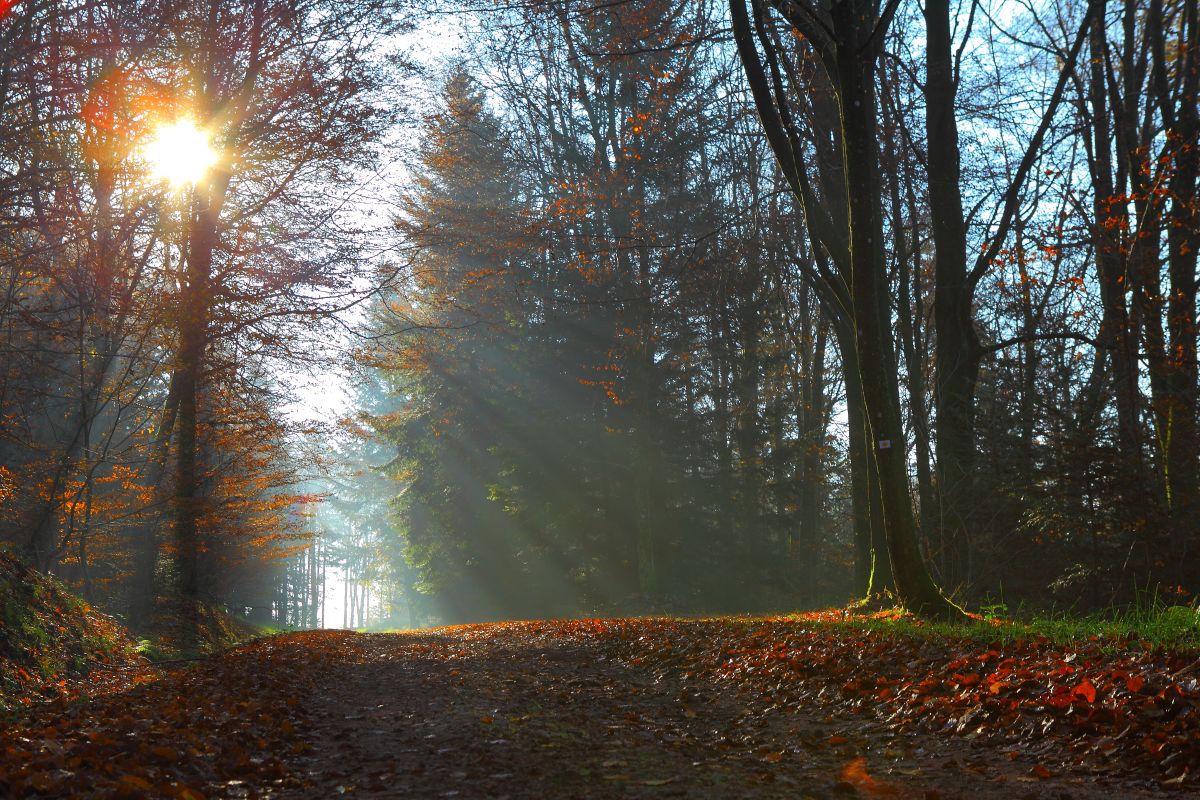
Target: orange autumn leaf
<point>855,773</point>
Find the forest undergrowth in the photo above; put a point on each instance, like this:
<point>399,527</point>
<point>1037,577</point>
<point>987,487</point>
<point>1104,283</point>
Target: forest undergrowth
<point>56,645</point>
<point>52,643</point>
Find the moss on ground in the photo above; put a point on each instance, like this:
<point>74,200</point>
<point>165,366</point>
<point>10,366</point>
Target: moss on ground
<point>49,637</point>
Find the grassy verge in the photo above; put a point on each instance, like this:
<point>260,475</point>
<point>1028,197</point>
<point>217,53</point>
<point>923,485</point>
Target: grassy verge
<point>1153,625</point>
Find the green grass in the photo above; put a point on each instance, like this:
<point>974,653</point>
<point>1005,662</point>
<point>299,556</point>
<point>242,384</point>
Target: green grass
<point>1155,624</point>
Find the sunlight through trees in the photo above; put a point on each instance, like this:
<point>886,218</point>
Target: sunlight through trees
<point>661,306</point>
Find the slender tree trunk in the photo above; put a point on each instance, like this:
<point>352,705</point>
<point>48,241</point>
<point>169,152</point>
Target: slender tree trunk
<point>812,428</point>
<point>1116,334</point>
<point>909,323</point>
<point>314,584</point>
<point>647,471</point>
<point>747,427</point>
<point>146,536</point>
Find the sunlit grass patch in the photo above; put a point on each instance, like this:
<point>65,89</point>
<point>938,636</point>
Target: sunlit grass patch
<point>1154,624</point>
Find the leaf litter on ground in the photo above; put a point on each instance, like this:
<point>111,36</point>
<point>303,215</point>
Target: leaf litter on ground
<point>243,724</point>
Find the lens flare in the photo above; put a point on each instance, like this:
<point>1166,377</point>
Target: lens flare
<point>180,153</point>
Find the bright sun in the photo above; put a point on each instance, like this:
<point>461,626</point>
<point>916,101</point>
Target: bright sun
<point>180,153</point>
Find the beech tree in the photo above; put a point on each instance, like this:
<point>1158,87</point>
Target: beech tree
<point>279,73</point>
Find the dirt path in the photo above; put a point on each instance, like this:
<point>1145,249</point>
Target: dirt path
<point>484,713</point>
<point>603,709</point>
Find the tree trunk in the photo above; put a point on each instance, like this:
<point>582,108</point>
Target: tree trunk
<point>872,567</point>
<point>146,543</point>
<point>956,343</point>
<point>1116,335</point>
<point>854,25</point>
<point>194,304</point>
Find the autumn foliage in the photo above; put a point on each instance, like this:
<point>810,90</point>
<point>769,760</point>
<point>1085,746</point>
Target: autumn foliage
<point>234,718</point>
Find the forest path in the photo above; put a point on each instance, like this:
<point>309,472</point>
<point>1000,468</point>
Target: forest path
<point>589,708</point>
<point>523,711</point>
